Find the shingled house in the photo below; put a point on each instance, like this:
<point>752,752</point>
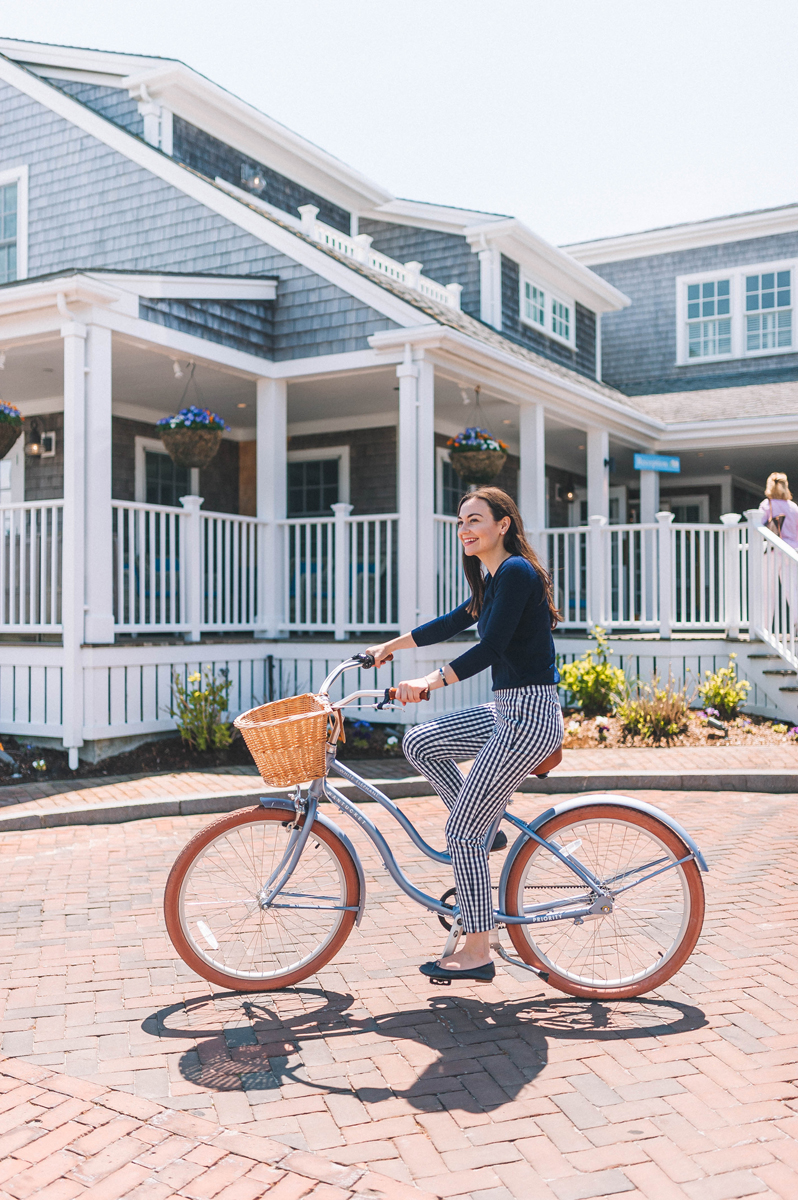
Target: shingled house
<point>165,243</point>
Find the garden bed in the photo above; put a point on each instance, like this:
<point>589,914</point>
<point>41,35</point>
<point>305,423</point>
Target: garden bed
<point>582,733</point>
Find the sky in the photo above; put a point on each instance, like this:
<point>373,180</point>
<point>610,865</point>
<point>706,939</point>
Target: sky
<point>585,119</point>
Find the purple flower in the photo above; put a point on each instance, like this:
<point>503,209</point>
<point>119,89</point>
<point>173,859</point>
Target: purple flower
<point>193,418</point>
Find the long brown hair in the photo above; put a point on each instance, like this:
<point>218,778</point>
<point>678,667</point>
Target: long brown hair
<point>515,542</point>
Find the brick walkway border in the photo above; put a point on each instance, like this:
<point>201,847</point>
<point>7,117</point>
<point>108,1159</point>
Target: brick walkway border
<point>63,1138</point>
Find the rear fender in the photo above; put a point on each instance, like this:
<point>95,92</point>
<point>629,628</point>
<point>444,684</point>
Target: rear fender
<point>586,802</point>
<point>288,805</point>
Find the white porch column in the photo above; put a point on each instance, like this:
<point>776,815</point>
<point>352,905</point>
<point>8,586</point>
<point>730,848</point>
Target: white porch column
<point>598,473</point>
<point>427,569</point>
<point>73,551</point>
<point>407,480</point>
<point>271,484</point>
<point>99,625</point>
<point>649,497</point>
<point>532,477</point>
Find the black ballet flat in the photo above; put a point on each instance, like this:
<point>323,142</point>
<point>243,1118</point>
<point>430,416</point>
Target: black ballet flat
<point>440,975</point>
<point>499,842</point>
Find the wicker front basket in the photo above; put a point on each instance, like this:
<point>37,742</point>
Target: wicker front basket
<point>287,738</point>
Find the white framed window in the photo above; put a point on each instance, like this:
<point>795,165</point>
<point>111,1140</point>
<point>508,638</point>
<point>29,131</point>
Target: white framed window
<point>534,304</point>
<point>317,479</point>
<point>157,479</point>
<point>549,314</point>
<point>768,310</point>
<point>736,313</point>
<point>13,224</point>
<point>449,487</point>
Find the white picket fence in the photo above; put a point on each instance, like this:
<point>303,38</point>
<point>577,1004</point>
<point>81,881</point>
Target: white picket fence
<point>30,566</point>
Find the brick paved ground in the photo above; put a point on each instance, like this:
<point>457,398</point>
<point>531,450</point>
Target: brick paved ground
<point>489,1091</point>
<point>223,781</point>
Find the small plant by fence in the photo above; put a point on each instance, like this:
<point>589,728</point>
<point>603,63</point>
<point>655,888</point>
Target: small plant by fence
<point>198,708</point>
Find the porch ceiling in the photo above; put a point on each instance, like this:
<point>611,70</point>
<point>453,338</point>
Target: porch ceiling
<point>143,378</point>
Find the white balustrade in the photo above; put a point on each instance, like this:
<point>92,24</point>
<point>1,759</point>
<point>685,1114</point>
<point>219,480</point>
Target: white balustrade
<point>149,576</point>
<point>372,560</point>
<point>631,593</point>
<point>30,567</point>
<point>698,597</point>
<point>359,248</point>
<point>308,574</point>
<point>451,586</point>
<point>230,572</point>
<point>567,561</point>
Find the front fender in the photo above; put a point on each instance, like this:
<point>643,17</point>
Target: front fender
<point>288,805</point>
<point>584,802</point>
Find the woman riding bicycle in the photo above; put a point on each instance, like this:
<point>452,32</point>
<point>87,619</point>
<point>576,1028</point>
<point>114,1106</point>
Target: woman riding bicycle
<point>512,601</point>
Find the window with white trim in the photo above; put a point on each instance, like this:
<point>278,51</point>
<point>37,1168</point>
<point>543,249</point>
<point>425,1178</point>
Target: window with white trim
<point>561,320</point>
<point>8,232</point>
<point>551,315</point>
<point>316,480</point>
<point>744,311</point>
<point>534,304</point>
<point>711,299</point>
<point>768,310</point>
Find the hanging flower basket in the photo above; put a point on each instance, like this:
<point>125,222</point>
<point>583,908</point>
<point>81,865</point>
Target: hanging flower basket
<point>10,426</point>
<point>192,437</point>
<point>476,456</point>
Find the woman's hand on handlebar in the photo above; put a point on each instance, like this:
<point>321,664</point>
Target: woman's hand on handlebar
<point>383,651</point>
<point>411,691</point>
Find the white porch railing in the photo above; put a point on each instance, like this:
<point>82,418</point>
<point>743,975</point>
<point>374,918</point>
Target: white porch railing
<point>451,587</point>
<point>339,573</point>
<point>30,566</point>
<point>149,575</point>
<point>359,248</point>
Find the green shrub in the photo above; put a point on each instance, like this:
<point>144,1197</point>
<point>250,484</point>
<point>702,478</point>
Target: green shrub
<point>595,683</point>
<point>656,713</point>
<point>723,691</point>
<point>198,710</point>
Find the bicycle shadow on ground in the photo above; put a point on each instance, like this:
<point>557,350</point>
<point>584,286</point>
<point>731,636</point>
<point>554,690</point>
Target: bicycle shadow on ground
<point>485,1052</point>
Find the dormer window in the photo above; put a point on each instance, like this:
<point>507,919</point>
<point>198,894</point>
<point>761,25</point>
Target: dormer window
<point>534,304</point>
<point>8,233</point>
<point>549,314</point>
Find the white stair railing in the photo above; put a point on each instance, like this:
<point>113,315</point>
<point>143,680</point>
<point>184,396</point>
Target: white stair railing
<point>773,596</point>
<point>30,566</point>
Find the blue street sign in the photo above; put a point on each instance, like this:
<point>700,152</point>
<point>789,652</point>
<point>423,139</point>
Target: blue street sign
<point>657,462</point>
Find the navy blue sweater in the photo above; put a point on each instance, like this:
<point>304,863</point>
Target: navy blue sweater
<point>514,626</point>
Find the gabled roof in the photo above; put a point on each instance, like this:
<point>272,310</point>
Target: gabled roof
<point>760,222</point>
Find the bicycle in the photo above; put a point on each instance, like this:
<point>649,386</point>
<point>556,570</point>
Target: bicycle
<point>602,896</point>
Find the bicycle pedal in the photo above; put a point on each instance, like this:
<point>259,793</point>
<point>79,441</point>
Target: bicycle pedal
<point>440,982</point>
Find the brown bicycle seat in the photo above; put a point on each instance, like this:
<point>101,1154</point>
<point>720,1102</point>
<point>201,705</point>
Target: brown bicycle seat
<point>548,764</point>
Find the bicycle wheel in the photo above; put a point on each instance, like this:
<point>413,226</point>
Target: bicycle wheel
<point>654,925</point>
<point>212,910</point>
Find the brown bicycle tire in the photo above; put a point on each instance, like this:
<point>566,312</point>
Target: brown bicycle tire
<point>198,843</point>
<point>695,890</point>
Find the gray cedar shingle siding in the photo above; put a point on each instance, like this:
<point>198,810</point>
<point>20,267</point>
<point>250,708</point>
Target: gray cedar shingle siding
<point>246,325</point>
<point>213,158</point>
<point>447,258</point>
<point>639,344</point>
<point>113,103</point>
<point>90,206</point>
<point>372,464</point>
<point>44,477</point>
<point>583,359</point>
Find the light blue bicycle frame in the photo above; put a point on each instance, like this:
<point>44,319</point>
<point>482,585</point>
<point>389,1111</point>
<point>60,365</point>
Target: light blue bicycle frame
<point>598,892</point>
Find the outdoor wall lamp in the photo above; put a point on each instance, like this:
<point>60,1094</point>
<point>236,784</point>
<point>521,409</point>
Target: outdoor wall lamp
<point>33,449</point>
<point>253,179</point>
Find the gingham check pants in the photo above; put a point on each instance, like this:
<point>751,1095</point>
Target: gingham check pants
<point>508,739</point>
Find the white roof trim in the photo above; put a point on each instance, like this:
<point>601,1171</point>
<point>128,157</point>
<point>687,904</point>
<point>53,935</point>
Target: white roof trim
<point>191,287</point>
<point>546,262</point>
<point>672,238</point>
<point>440,217</point>
<point>219,112</point>
<point>213,197</point>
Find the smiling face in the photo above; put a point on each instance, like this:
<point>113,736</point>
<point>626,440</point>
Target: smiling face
<point>479,532</point>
